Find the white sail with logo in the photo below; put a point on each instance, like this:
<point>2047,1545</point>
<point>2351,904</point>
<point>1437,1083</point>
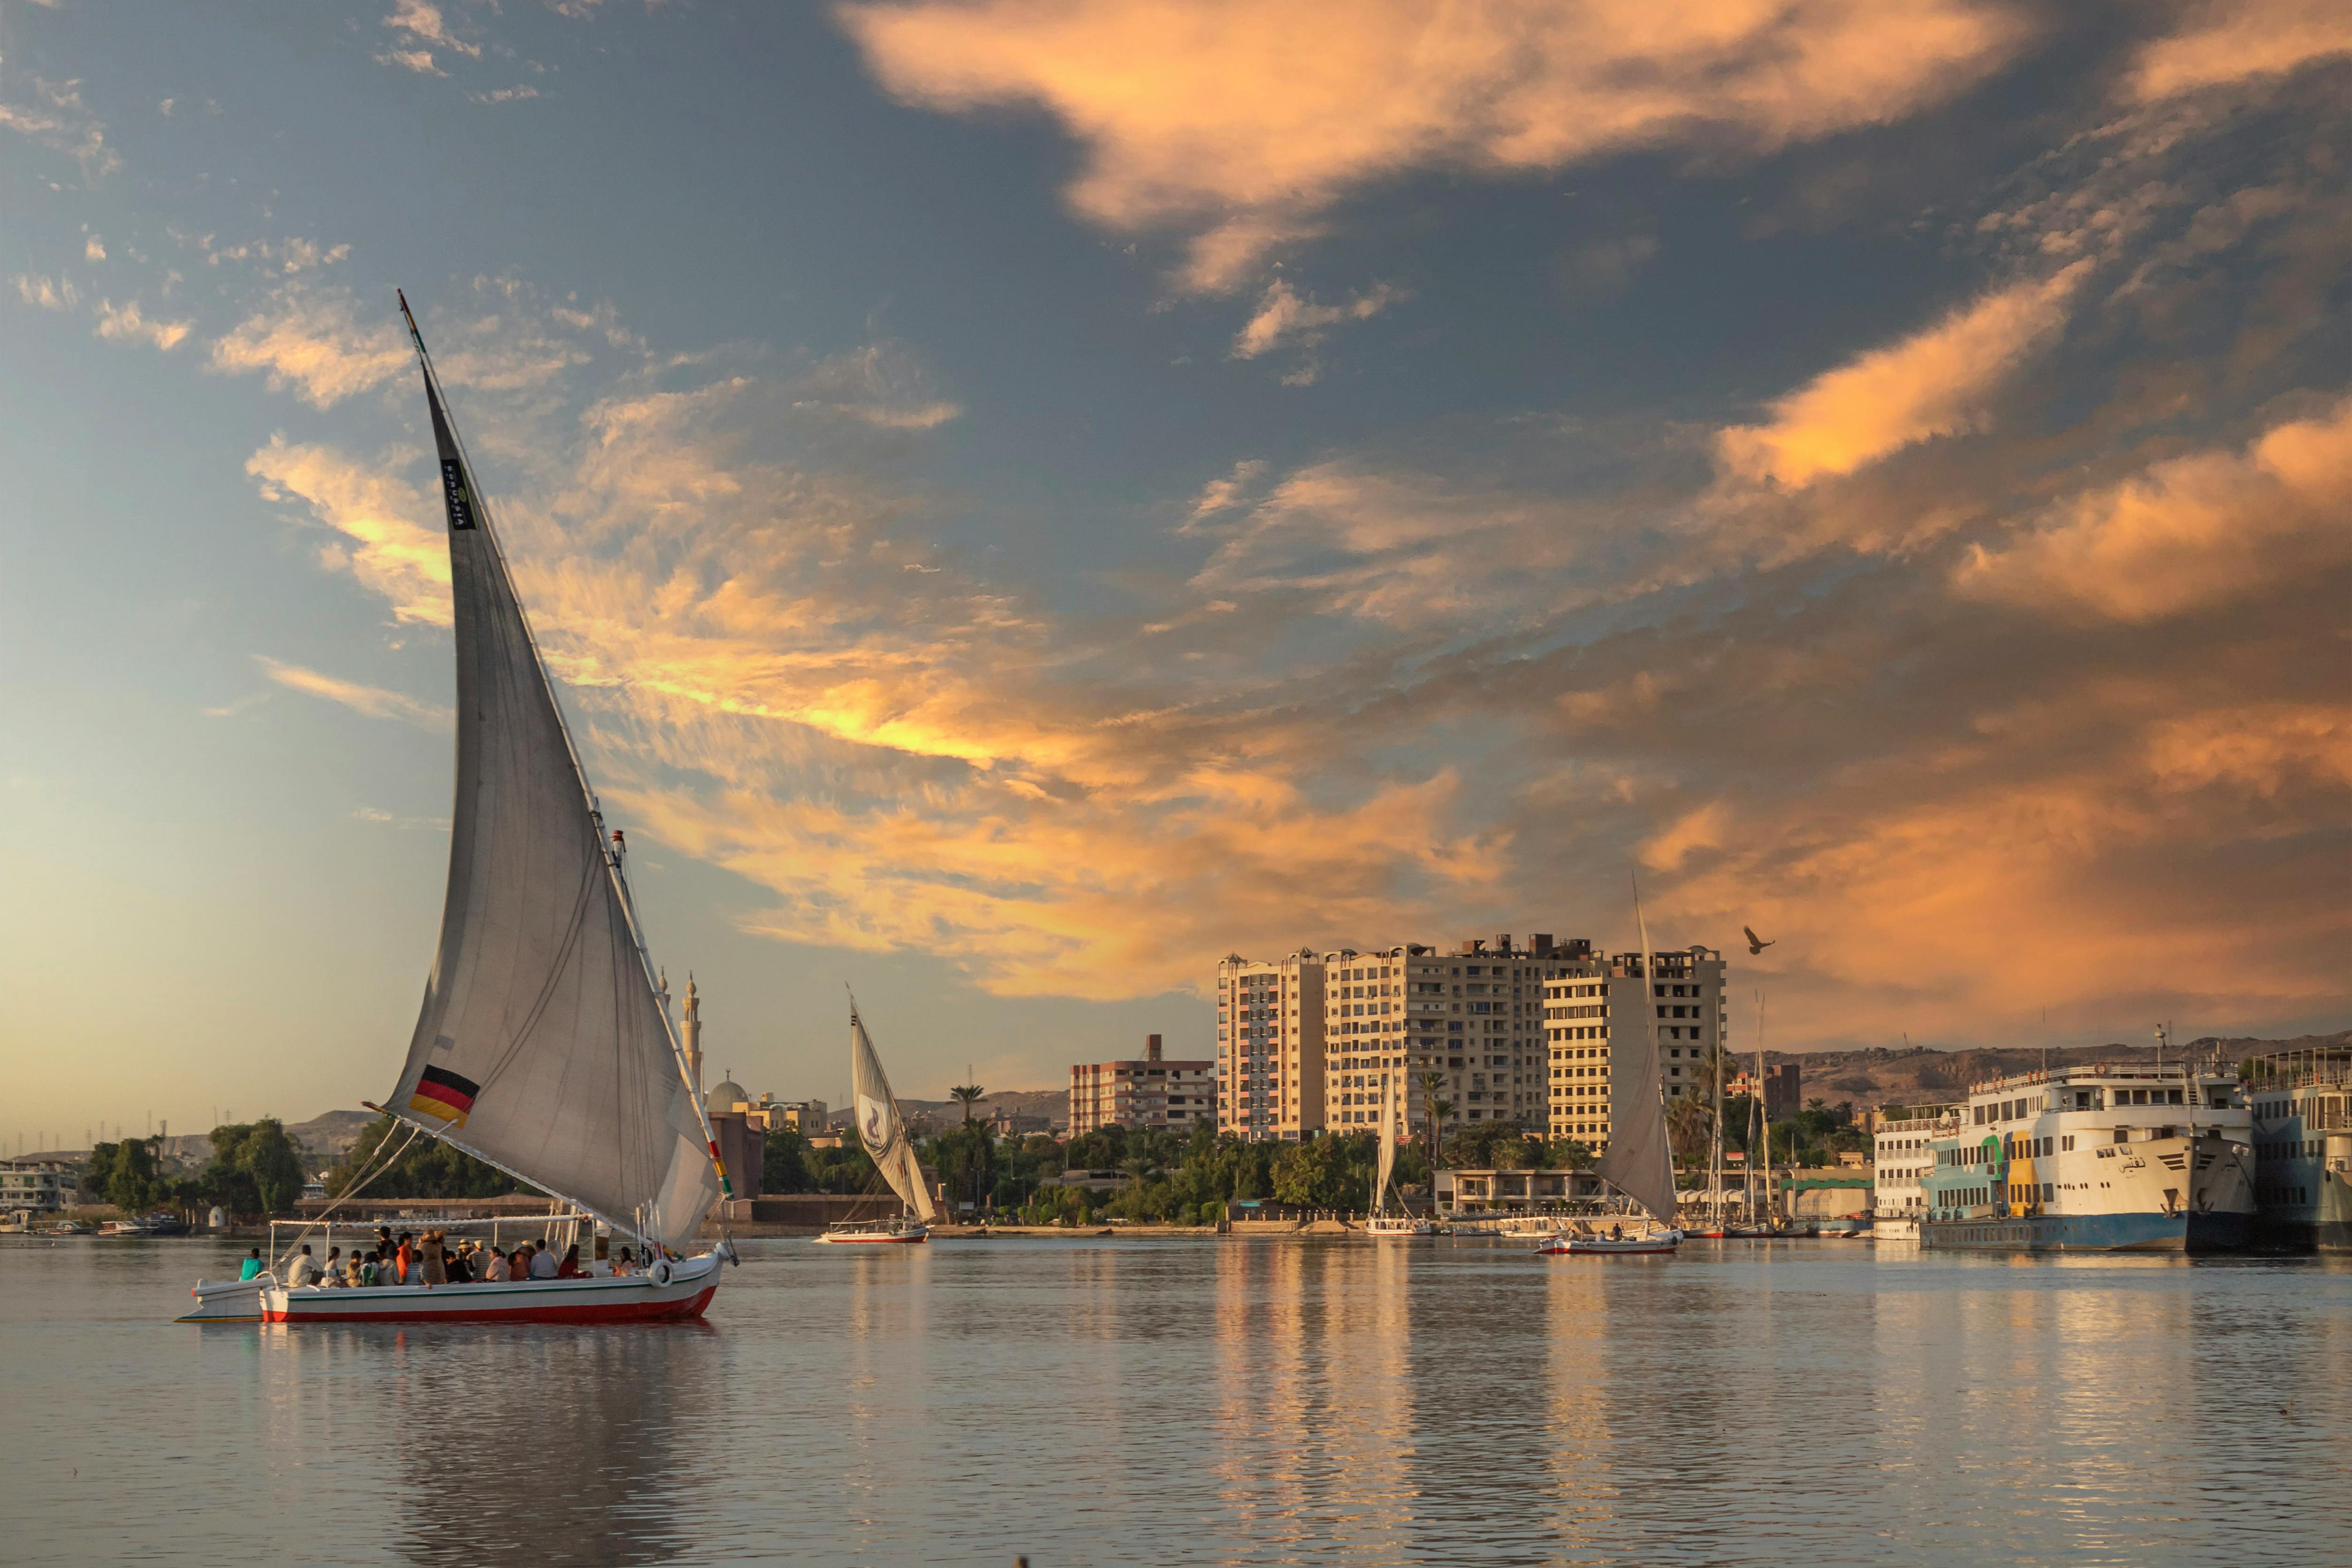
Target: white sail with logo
<point>544,1046</point>
<point>1639,1162</point>
<point>880,1127</point>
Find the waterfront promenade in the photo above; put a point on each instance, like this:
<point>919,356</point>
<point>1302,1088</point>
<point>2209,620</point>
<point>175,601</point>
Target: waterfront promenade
<point>1187,1401</point>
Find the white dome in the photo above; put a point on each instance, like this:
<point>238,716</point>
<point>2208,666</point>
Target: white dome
<point>727,1096</point>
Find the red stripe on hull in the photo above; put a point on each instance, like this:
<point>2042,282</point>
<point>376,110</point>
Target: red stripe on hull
<point>585,1313</point>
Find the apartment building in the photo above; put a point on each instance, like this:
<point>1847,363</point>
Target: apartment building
<point>1313,1041</point>
<point>1151,1092</point>
<point>1463,1030</point>
<point>1586,996</point>
<point>1269,1066</point>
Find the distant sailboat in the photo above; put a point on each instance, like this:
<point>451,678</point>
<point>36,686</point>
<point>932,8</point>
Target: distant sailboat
<point>544,1047</point>
<point>883,1131</point>
<point>1640,1161</point>
<point>1381,1222</point>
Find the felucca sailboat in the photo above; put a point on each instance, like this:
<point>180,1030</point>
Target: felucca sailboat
<point>1640,1162</point>
<point>1383,1223</point>
<point>883,1132</point>
<point>544,1047</point>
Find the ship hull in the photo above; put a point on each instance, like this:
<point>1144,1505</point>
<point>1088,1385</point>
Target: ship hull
<point>2091,1233</point>
<point>630,1299</point>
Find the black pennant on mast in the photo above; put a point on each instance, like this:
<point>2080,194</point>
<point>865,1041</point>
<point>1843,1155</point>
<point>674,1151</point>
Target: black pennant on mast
<point>456,493</point>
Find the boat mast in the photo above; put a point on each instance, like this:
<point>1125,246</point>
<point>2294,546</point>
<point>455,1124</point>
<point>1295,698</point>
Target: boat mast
<point>612,856</point>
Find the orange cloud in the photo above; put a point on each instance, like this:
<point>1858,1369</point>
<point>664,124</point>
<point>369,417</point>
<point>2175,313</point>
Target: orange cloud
<point>1980,900</point>
<point>382,540</point>
<point>2190,532</point>
<point>1934,383</point>
<point>374,702</point>
<point>2235,40</point>
<point>311,340</point>
<point>1243,123</point>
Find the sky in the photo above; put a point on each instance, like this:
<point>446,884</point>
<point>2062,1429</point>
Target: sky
<point>1025,498</point>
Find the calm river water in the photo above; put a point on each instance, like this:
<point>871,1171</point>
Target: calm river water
<point>1198,1402</point>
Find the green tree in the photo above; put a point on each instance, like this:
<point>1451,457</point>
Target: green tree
<point>1330,1171</point>
<point>1433,1111</point>
<point>256,1169</point>
<point>425,1167</point>
<point>126,1175</point>
<point>784,1165</point>
<point>967,1093</point>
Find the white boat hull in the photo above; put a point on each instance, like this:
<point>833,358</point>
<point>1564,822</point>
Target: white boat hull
<point>227,1300</point>
<point>878,1235</point>
<point>648,1298</point>
<point>1660,1241</point>
<point>1393,1227</point>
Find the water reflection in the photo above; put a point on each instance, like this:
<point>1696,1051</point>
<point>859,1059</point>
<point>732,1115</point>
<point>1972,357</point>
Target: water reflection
<point>564,1443</point>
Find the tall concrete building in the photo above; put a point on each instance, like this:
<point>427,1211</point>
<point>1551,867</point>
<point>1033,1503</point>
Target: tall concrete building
<point>1590,996</point>
<point>1313,1041</point>
<point>1270,1024</point>
<point>1137,1094</point>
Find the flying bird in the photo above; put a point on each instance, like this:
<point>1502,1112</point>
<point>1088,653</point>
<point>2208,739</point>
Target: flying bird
<point>1755,944</point>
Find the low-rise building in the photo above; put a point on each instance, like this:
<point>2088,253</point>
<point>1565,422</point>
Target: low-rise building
<point>1152,1092</point>
<point>37,1186</point>
<point>1493,1192</point>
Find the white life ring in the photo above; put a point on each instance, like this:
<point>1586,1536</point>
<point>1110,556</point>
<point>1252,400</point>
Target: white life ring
<point>660,1271</point>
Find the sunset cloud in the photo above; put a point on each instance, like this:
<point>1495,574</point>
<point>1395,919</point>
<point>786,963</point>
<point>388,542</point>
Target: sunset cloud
<point>1937,382</point>
<point>1241,125</point>
<point>381,537</point>
<point>310,340</point>
<point>127,324</point>
<point>2233,40</point>
<point>2188,532</point>
<point>372,700</point>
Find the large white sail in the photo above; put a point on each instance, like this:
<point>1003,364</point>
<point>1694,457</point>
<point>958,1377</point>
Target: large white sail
<point>1387,1153</point>
<point>1640,1162</point>
<point>879,1126</point>
<point>542,1046</point>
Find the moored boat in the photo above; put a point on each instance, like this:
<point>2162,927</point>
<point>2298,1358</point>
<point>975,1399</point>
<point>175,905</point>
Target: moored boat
<point>1639,1162</point>
<point>544,1047</point>
<point>883,1131</point>
<point>1382,1222</point>
<point>2096,1158</point>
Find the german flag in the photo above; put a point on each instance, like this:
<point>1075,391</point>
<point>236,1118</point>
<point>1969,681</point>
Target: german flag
<point>444,1094</point>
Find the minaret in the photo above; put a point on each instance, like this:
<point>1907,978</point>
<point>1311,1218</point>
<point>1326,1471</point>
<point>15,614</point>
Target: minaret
<point>690,1032</point>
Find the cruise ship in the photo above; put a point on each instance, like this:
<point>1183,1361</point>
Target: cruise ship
<point>2303,1150</point>
<point>2095,1158</point>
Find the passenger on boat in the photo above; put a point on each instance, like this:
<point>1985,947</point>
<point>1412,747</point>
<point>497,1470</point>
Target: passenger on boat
<point>304,1271</point>
<point>627,1265</point>
<point>542,1264</point>
<point>251,1265</point>
<point>333,1280</point>
<point>494,1269</point>
<point>404,1259</point>
<point>335,1260</point>
<point>355,1269</point>
<point>570,1268</point>
<point>460,1271</point>
<point>435,1271</point>
<point>600,1266</point>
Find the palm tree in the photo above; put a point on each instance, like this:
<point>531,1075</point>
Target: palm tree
<point>966,1092</point>
<point>1439,1110</point>
<point>1430,1084</point>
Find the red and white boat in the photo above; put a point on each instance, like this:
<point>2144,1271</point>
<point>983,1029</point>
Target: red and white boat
<point>544,1047</point>
<point>665,1293</point>
<point>883,1132</point>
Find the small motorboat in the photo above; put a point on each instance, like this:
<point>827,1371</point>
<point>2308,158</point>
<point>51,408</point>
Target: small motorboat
<point>1617,1244</point>
<point>65,1227</point>
<point>119,1227</point>
<point>872,1232</point>
<point>1399,1224</point>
